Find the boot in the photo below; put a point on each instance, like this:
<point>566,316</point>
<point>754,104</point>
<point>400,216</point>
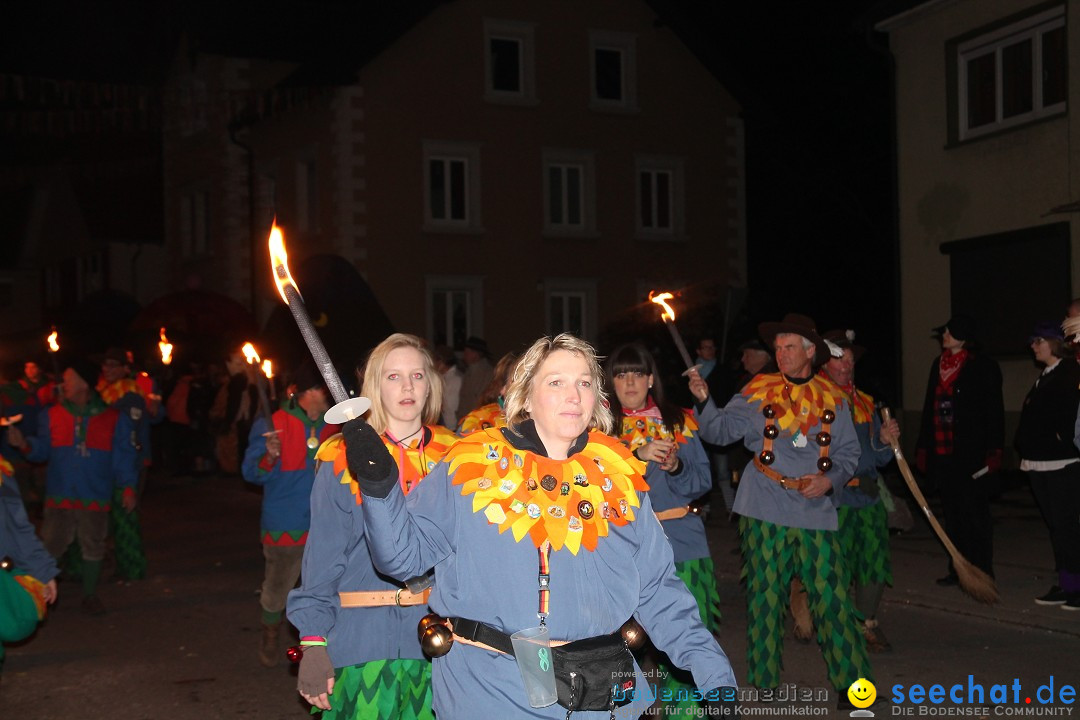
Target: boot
<point>268,648</point>
<point>876,642</point>
<point>803,629</point>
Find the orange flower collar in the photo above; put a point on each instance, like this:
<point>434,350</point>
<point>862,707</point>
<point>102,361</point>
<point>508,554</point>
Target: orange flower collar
<point>567,503</point>
<point>640,429</point>
<point>798,407</point>
<point>418,462</point>
<point>111,392</point>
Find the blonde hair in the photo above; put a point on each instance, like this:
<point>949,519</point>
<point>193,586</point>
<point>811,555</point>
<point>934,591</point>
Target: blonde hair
<point>521,380</point>
<point>371,384</point>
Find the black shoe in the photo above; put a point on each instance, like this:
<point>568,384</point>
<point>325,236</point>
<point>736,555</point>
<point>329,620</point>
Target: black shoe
<point>1073,602</point>
<point>1056,596</point>
<point>92,605</point>
<point>948,581</point>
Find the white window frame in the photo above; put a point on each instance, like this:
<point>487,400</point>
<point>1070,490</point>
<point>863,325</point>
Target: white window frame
<point>1031,28</point>
<point>471,284</point>
<point>626,45</point>
<point>674,167</point>
<point>583,289</point>
<point>585,161</point>
<point>469,154</point>
<point>523,33</point>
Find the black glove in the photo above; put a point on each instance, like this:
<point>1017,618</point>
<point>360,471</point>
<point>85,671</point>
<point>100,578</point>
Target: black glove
<point>722,702</point>
<point>315,670</point>
<point>368,460</point>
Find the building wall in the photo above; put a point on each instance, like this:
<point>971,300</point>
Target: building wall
<point>1000,183</point>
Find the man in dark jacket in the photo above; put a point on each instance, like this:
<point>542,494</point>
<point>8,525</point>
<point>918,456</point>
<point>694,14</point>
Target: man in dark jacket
<point>1044,440</point>
<point>961,438</point>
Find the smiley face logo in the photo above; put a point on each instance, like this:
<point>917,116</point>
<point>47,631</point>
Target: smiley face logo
<point>862,693</point>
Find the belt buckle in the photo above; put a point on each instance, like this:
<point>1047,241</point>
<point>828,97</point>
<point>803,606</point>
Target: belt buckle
<point>397,597</point>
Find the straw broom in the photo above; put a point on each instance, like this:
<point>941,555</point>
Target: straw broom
<point>973,581</point>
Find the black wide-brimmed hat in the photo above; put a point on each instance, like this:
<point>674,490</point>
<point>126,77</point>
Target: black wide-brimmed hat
<point>961,327</point>
<point>845,340</point>
<point>795,324</point>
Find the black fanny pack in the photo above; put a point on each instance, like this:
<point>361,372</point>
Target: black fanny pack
<point>595,673</point>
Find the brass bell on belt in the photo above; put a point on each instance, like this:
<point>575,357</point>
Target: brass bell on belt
<point>633,634</point>
<point>6,563</point>
<point>436,640</point>
<point>426,622</point>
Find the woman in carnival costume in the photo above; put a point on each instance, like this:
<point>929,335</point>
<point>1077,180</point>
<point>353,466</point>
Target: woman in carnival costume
<point>361,656</point>
<point>541,521</point>
<point>27,572</point>
<point>663,436</point>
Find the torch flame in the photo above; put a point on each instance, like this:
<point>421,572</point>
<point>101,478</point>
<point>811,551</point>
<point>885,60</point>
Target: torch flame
<point>250,354</point>
<point>661,300</point>
<point>166,348</point>
<point>53,345</point>
<point>268,369</point>
<point>279,262</point>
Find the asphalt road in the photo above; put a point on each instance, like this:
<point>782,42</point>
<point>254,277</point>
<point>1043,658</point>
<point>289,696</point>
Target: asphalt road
<point>182,644</point>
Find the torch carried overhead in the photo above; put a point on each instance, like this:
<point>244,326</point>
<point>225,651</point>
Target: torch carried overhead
<point>252,358</point>
<point>973,581</point>
<point>166,348</point>
<point>346,408</point>
<point>668,316</point>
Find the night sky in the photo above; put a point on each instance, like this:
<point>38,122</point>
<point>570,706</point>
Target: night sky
<point>813,81</point>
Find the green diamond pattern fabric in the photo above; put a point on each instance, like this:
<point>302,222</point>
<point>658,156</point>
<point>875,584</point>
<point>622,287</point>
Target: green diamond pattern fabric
<point>864,537</point>
<point>774,554</point>
<point>382,690</point>
<point>125,528</point>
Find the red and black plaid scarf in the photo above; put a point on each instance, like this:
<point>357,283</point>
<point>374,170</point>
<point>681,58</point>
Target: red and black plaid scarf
<point>944,418</point>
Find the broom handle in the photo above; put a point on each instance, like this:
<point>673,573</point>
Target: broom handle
<point>901,462</point>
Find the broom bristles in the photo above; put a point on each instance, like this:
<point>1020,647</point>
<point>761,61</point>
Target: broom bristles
<point>974,581</point>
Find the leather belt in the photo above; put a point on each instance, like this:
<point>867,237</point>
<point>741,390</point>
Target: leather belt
<point>673,513</point>
<point>788,483</point>
<point>382,598</point>
<point>481,635</point>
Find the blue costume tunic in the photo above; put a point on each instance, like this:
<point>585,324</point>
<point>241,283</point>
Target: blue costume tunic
<point>337,559</point>
<point>667,490</point>
<point>89,452</point>
<point>758,496</point>
<point>17,538</point>
<point>286,481</point>
<point>485,575</point>
<point>871,457</point>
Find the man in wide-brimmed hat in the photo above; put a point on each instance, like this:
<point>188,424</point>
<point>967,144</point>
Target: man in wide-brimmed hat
<point>799,426</point>
<point>961,436</point>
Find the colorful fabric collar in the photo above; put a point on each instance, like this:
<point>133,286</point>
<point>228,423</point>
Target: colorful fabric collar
<point>862,405</point>
<point>567,503</point>
<point>482,418</point>
<point>644,426</point>
<point>798,406</point>
<point>94,406</point>
<point>437,440</point>
<point>111,392</point>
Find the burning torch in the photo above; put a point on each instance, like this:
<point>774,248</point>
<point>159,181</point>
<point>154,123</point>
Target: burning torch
<point>166,348</point>
<point>253,359</point>
<point>668,316</point>
<point>346,408</point>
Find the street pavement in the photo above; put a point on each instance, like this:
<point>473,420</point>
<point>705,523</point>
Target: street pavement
<point>182,644</point>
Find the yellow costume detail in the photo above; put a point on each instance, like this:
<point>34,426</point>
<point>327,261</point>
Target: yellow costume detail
<point>639,429</point>
<point>111,392</point>
<point>798,407</point>
<point>482,418</point>
<point>6,470</point>
<point>567,503</point>
<point>417,464</point>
